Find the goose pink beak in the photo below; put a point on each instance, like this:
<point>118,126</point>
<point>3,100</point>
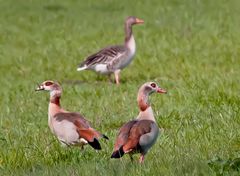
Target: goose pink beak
<point>160,90</point>
<point>40,87</point>
<point>139,21</point>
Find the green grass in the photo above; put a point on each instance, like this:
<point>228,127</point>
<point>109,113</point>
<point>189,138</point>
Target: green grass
<point>191,48</point>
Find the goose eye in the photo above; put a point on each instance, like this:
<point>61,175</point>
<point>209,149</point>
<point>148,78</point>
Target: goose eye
<point>48,83</point>
<point>153,85</point>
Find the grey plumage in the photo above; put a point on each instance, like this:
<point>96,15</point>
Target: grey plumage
<point>108,55</point>
<point>113,59</point>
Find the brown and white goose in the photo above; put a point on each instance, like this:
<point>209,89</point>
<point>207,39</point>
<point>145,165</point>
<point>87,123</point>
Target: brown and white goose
<point>113,59</point>
<point>138,136</point>
<point>71,128</point>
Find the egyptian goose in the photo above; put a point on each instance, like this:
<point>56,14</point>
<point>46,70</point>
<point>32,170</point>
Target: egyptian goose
<point>138,136</point>
<point>113,59</point>
<point>71,128</point>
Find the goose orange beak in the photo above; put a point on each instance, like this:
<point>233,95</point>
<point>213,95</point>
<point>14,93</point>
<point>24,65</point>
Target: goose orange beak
<point>139,21</point>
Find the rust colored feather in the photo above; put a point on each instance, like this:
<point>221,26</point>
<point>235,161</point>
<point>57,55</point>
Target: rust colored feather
<point>138,129</point>
<point>123,134</point>
<point>87,134</point>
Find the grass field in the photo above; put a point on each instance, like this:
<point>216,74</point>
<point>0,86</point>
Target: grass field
<point>191,48</point>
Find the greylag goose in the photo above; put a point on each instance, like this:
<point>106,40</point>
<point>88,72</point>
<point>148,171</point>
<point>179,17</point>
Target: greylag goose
<point>70,128</point>
<point>113,59</point>
<point>138,136</point>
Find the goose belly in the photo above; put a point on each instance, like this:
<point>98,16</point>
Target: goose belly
<point>66,132</point>
<point>126,61</point>
<point>101,68</point>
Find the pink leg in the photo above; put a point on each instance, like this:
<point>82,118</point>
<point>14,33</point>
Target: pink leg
<point>141,159</point>
<point>117,76</point>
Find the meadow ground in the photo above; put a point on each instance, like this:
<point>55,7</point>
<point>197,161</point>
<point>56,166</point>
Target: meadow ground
<point>191,48</point>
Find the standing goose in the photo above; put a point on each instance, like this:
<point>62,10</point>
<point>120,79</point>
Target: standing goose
<point>69,127</point>
<point>138,136</point>
<point>113,59</point>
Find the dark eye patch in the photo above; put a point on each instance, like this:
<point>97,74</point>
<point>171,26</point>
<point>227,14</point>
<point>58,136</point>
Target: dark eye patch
<point>153,85</point>
<point>48,83</point>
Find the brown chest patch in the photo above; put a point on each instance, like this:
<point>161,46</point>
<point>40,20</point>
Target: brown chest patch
<point>55,100</point>
<point>143,105</point>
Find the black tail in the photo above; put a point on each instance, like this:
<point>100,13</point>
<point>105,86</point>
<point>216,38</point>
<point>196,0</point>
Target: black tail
<point>95,144</point>
<point>118,154</point>
<point>105,137</point>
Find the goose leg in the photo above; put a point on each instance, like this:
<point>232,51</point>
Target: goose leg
<point>131,157</point>
<point>117,76</point>
<point>64,144</point>
<point>82,147</point>
<point>141,159</point>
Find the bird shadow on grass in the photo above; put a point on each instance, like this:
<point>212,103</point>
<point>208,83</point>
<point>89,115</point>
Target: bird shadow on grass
<point>96,81</point>
<point>80,82</point>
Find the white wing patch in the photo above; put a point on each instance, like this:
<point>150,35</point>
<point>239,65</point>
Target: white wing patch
<point>83,141</point>
<point>102,68</point>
